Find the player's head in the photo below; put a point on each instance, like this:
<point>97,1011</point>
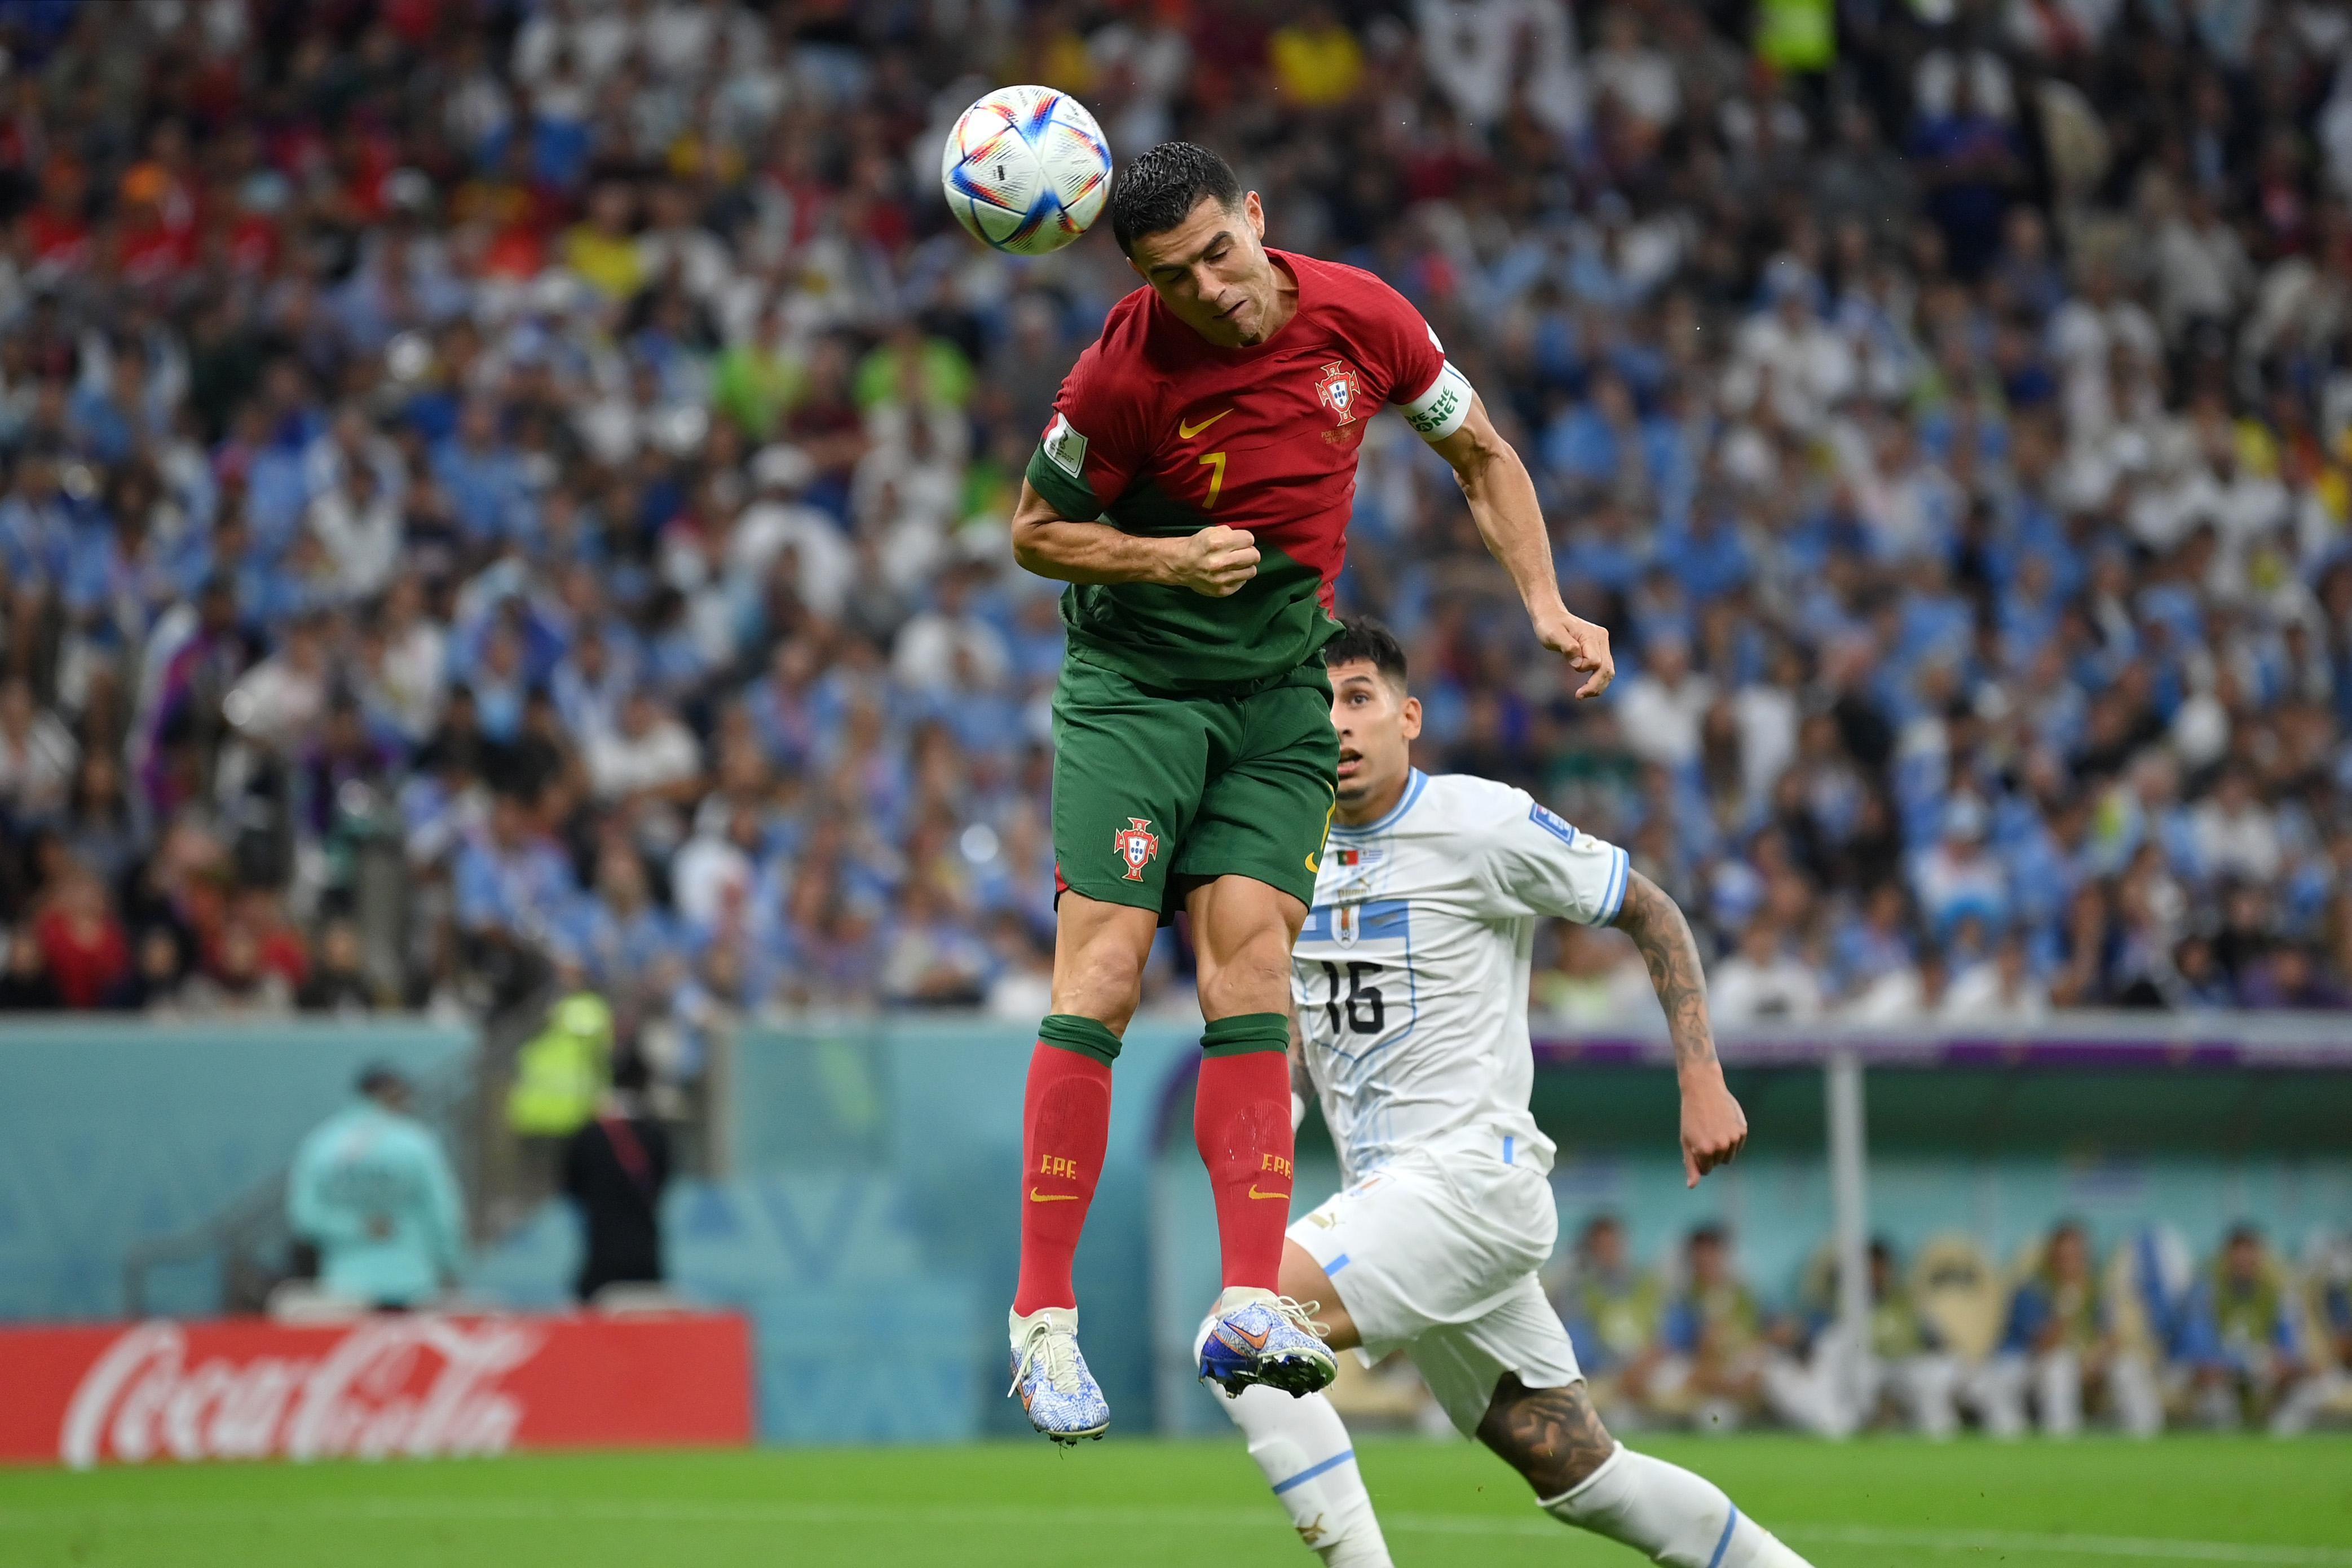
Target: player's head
<point>385,1086</point>
<point>1190,232</point>
<point>1377,718</point>
<point>1707,1251</point>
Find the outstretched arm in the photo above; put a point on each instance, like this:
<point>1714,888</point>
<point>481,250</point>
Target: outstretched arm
<point>1214,561</point>
<point>1714,1126</point>
<point>1503,503</point>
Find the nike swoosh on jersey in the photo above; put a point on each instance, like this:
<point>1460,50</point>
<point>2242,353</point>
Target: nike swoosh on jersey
<point>1186,431</point>
<point>1036,1196</point>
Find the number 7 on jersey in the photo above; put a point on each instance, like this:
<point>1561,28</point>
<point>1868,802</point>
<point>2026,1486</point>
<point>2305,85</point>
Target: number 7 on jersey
<point>1216,461</point>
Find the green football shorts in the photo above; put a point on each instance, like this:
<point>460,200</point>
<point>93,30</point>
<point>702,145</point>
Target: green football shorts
<point>1156,791</point>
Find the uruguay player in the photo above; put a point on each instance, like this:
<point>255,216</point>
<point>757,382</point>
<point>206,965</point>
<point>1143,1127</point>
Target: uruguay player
<point>1410,986</point>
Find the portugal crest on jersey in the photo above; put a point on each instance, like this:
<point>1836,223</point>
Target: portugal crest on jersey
<point>1337,387</point>
<point>1136,844</point>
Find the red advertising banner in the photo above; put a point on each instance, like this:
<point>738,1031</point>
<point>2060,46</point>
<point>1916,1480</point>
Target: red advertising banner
<point>400,1383</point>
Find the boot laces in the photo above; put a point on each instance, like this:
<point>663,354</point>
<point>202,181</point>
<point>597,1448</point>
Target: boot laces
<point>1058,1352</point>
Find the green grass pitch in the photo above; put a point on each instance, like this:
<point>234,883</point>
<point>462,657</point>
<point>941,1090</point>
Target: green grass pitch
<point>2096,1503</point>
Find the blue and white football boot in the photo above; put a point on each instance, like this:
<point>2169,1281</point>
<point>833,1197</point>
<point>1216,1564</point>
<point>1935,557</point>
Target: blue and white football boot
<point>1256,1336</point>
<point>1049,1375</point>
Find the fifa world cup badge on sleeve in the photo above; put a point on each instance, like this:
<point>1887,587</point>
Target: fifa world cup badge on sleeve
<point>1136,844</point>
<point>1065,447</point>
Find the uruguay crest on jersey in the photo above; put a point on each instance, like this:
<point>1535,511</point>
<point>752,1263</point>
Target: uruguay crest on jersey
<point>1136,844</point>
<point>1336,387</point>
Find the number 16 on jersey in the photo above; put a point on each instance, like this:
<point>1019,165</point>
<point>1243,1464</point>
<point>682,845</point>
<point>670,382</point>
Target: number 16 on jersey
<point>1352,974</point>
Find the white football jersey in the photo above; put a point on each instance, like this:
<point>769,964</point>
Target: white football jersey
<point>1410,974</point>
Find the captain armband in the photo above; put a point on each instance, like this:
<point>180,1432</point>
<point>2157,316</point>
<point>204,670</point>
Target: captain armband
<point>1439,412</point>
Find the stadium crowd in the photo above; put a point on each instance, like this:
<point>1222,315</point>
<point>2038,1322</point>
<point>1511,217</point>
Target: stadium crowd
<point>494,484</point>
<point>2146,1338</point>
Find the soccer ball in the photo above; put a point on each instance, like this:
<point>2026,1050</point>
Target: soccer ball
<point>1026,170</point>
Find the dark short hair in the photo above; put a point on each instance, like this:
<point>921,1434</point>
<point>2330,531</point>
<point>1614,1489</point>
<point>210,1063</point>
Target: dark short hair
<point>377,1078</point>
<point>1160,188</point>
<point>1363,638</point>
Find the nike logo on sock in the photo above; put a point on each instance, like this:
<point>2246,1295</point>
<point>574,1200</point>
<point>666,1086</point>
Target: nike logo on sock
<point>1254,1193</point>
<point>1036,1196</point>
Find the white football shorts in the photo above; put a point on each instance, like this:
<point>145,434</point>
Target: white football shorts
<point>1435,1253</point>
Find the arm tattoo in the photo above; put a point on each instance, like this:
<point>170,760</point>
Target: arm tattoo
<point>1664,939</point>
<point>1553,1437</point>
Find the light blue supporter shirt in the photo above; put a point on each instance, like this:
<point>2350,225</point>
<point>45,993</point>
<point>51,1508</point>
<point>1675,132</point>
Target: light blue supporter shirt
<point>375,1191</point>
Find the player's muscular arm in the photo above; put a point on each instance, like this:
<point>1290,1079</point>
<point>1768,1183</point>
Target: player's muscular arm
<point>1503,503</point>
<point>1714,1126</point>
<point>1215,561</point>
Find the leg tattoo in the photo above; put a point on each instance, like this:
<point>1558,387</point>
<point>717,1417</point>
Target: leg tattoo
<point>1553,1437</point>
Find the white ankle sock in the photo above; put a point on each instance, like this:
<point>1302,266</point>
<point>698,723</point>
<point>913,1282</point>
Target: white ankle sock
<point>1301,1445</point>
<point>1669,1515</point>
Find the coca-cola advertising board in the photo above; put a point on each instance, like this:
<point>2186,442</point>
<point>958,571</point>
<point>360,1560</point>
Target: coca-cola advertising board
<point>401,1384</point>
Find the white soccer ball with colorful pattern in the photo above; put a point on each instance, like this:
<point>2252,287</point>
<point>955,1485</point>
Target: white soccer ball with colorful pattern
<point>1026,170</point>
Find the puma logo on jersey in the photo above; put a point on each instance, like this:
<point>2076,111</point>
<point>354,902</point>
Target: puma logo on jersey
<point>1186,431</point>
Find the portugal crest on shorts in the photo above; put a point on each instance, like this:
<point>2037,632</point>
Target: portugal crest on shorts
<point>1337,387</point>
<point>1136,844</point>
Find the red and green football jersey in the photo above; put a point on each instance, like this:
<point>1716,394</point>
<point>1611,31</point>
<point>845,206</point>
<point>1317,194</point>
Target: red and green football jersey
<point>1158,432</point>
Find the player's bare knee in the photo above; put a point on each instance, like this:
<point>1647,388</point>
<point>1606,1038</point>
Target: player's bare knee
<point>1101,976</point>
<point>1250,974</point>
<point>1104,983</point>
<point>1552,1436</point>
<point>1251,985</point>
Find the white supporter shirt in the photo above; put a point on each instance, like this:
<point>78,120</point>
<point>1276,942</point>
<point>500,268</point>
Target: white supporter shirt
<point>1410,973</point>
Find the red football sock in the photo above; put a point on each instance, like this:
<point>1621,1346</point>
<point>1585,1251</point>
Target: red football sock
<point>1241,1119</point>
<point>1065,1127</point>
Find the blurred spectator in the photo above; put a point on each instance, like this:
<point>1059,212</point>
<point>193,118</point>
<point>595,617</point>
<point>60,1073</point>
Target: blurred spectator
<point>37,759</point>
<point>1905,1364</point>
<point>1763,982</point>
<point>2242,1338</point>
<point>25,984</point>
<point>1615,1313</point>
<point>373,1190</point>
<point>562,1072</point>
<point>2062,1345</point>
<point>338,982</point>
<point>84,949</point>
<point>1711,1371</point>
<point>616,1168</point>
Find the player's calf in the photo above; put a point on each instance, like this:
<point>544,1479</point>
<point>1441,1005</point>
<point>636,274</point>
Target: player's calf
<point>1584,1477</point>
<point>1302,1449</point>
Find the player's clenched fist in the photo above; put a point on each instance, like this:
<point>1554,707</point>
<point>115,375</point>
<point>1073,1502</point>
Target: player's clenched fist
<point>1216,560</point>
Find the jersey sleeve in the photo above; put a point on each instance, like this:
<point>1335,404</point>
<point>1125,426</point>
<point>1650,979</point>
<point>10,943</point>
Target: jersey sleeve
<point>1535,862</point>
<point>1434,397</point>
<point>1093,444</point>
